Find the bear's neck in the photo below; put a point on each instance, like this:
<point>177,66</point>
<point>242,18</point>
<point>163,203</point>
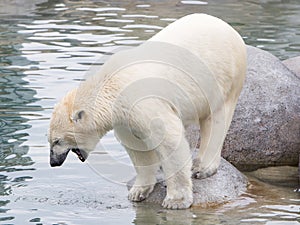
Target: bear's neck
<point>99,97</point>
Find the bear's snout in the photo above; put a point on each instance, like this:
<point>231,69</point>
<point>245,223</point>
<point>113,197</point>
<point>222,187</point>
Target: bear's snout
<point>57,159</point>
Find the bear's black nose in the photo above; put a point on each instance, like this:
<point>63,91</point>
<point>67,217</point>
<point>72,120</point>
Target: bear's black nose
<point>57,159</point>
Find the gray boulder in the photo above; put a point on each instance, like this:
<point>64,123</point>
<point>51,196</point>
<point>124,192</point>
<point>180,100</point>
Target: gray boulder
<point>227,184</point>
<point>293,64</point>
<point>265,130</point>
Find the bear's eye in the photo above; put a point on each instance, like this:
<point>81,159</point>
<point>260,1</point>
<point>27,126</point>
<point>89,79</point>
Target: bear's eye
<point>56,142</point>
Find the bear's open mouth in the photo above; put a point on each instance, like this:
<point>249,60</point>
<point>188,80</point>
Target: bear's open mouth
<point>81,154</point>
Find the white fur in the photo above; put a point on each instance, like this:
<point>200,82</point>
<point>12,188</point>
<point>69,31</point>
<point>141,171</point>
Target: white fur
<point>149,104</point>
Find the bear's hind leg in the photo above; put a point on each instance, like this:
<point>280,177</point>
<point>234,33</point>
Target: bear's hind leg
<point>207,161</point>
<point>213,132</point>
<point>146,164</point>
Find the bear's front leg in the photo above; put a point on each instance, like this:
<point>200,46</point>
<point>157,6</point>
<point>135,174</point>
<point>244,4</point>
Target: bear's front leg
<point>146,165</point>
<point>176,162</point>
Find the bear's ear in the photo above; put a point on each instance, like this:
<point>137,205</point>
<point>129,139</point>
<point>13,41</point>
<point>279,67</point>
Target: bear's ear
<point>77,116</point>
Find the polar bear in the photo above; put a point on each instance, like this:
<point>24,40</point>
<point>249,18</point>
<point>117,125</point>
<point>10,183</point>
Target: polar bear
<point>191,72</point>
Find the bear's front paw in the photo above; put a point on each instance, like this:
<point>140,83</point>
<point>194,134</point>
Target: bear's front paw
<point>183,202</point>
<point>140,193</point>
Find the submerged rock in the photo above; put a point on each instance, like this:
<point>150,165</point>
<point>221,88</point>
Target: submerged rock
<point>265,130</point>
<point>227,184</point>
<point>286,176</point>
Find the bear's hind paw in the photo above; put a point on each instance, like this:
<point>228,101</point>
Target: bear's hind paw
<point>200,172</point>
<point>203,174</point>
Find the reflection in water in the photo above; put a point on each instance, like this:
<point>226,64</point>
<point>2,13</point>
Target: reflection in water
<point>45,49</point>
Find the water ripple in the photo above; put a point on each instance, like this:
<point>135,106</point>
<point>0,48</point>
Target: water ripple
<point>72,27</point>
<point>2,123</point>
<point>101,9</point>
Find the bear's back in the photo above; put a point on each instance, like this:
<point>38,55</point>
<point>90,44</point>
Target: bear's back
<point>212,40</point>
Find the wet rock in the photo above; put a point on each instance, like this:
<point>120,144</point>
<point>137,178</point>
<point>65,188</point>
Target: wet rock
<point>227,184</point>
<point>293,64</point>
<point>286,176</point>
<point>265,130</point>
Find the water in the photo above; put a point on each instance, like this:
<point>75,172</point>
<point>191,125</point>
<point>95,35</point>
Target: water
<point>46,47</point>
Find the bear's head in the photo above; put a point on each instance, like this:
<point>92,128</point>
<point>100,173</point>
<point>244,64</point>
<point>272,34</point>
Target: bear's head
<point>70,130</point>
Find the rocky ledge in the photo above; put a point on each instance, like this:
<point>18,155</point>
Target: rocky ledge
<point>227,184</point>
